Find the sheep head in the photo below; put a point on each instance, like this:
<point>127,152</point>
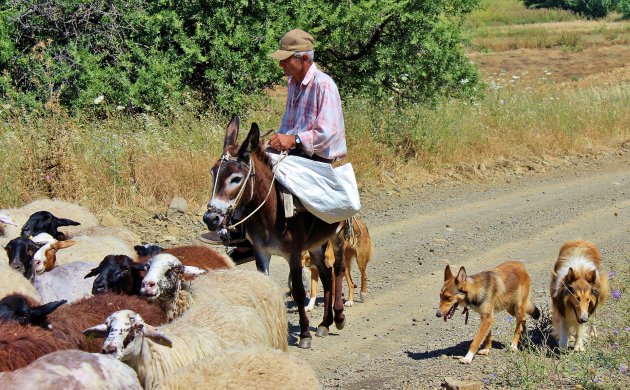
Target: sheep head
<point>124,331</point>
<point>164,277</point>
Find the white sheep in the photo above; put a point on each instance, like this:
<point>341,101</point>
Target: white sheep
<point>154,354</point>
<point>12,281</point>
<point>254,367</point>
<point>246,288</point>
<point>72,369</point>
<point>65,282</point>
<point>59,208</point>
<point>94,248</point>
<point>237,325</point>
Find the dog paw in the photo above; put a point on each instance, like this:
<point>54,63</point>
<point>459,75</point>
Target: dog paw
<point>579,348</point>
<point>465,360</point>
<point>309,307</point>
<point>348,303</point>
<point>484,351</point>
<point>513,347</point>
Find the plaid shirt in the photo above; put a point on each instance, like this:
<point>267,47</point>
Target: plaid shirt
<point>313,111</point>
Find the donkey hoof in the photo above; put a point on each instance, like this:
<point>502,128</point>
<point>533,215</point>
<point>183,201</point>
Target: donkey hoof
<point>305,342</point>
<point>322,331</point>
<point>340,325</point>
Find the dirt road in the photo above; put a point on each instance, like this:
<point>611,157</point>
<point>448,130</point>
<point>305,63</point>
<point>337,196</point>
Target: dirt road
<point>394,340</point>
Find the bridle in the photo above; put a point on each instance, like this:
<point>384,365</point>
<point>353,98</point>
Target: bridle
<point>229,212</point>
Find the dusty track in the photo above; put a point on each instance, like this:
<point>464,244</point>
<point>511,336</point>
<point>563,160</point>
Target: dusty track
<point>394,340</point>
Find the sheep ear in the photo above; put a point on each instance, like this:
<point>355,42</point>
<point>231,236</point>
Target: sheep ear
<point>93,272</point>
<point>156,336</point>
<point>193,271</point>
<point>139,266</point>
<point>98,331</point>
<point>63,244</point>
<point>47,308</point>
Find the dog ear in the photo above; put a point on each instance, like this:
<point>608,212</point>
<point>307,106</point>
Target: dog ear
<point>571,276</point>
<point>591,277</point>
<point>448,275</point>
<point>461,276</point>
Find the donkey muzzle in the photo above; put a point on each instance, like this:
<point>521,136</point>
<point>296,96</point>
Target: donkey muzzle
<point>212,219</point>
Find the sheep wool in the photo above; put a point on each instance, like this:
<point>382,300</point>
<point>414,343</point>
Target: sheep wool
<point>247,288</point>
<point>72,369</point>
<point>250,368</point>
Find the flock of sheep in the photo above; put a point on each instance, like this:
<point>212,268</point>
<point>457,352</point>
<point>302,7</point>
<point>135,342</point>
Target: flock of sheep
<point>88,307</point>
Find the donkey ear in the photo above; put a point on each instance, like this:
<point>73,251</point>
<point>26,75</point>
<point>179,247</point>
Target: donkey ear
<point>250,143</point>
<point>231,135</point>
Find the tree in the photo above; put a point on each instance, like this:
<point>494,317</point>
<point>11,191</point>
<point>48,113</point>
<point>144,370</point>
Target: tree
<point>146,55</point>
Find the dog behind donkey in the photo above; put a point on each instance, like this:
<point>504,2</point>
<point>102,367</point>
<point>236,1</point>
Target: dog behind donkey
<point>505,287</point>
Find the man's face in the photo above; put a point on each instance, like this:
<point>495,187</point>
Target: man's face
<point>292,66</point>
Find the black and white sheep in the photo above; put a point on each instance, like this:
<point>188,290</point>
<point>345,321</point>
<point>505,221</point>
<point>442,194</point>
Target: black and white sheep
<point>163,283</point>
<point>72,369</point>
<point>154,354</point>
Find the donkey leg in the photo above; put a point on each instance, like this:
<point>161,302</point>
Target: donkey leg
<point>298,297</point>
<point>339,270</point>
<point>317,258</point>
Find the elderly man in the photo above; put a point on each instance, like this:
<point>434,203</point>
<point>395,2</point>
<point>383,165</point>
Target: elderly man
<point>312,125</point>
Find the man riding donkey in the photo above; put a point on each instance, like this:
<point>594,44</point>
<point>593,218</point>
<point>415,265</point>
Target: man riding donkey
<point>311,137</point>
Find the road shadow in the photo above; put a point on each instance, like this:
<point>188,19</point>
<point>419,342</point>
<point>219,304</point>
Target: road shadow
<point>457,350</point>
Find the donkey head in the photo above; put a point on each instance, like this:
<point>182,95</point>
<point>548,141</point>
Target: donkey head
<point>230,176</point>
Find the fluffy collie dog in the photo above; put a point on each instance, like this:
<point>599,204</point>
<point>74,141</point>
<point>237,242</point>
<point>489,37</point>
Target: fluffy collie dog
<point>578,286</point>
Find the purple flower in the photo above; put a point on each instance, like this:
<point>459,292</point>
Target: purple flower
<point>615,346</point>
<point>616,294</point>
<point>627,328</point>
<point>485,381</point>
<point>494,376</point>
<point>615,332</point>
<point>611,275</point>
<point>48,178</point>
<point>623,368</point>
<point>509,318</point>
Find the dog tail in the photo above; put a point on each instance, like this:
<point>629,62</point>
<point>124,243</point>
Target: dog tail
<point>533,311</point>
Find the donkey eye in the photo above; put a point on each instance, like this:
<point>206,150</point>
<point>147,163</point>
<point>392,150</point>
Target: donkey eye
<point>236,180</point>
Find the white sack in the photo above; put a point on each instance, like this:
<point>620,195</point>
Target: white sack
<point>330,194</point>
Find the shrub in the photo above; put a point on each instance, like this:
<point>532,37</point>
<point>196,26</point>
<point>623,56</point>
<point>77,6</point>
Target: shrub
<point>140,55</point>
<point>589,8</point>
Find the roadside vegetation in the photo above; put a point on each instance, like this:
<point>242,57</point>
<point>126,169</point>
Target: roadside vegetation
<point>111,158</point>
<point>604,365</point>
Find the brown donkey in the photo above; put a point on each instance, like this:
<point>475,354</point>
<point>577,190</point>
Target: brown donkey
<point>244,190</point>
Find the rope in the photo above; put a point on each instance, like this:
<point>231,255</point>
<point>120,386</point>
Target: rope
<point>282,157</point>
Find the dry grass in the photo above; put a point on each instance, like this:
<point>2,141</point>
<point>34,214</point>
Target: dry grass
<point>540,103</point>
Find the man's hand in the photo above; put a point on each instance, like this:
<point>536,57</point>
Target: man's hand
<point>282,142</point>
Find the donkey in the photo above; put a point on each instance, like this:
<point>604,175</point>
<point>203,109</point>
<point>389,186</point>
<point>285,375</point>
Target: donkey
<point>244,189</point>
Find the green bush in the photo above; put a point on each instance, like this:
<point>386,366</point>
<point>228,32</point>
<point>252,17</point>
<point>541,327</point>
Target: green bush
<point>141,55</point>
<point>594,9</point>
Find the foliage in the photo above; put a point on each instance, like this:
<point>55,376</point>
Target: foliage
<point>623,7</point>
<point>590,8</point>
<point>140,55</point>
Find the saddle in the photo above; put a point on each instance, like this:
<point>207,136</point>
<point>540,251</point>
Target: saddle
<point>292,205</point>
